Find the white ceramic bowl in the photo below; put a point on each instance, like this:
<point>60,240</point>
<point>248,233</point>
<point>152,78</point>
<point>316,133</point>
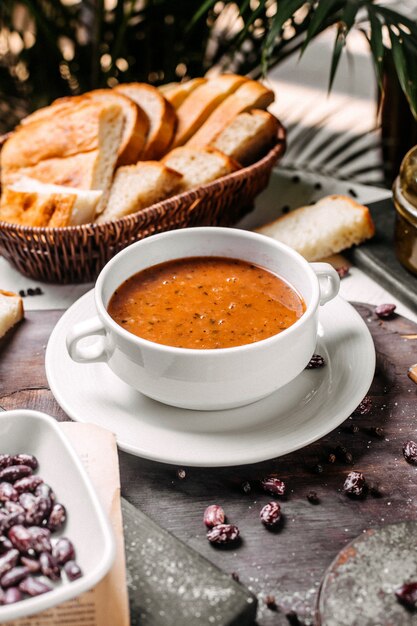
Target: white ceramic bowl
<point>206,379</point>
<point>86,526</point>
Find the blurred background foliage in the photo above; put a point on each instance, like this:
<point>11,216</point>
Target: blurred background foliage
<point>50,48</point>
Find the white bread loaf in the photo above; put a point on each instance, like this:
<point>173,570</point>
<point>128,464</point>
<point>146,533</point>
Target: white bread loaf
<point>136,187</point>
<point>11,310</point>
<point>319,230</point>
<point>90,169</point>
<point>199,166</point>
<point>248,136</point>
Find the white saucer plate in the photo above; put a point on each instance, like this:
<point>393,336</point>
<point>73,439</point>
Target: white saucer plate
<point>303,411</point>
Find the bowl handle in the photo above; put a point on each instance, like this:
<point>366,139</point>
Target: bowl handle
<point>329,281</point>
<point>93,353</point>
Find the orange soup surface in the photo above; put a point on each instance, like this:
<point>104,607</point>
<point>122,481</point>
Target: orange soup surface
<point>205,303</point>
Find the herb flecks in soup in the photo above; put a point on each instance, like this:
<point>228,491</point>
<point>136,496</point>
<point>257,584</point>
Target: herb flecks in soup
<point>205,302</point>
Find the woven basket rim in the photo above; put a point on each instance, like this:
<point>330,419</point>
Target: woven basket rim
<point>193,195</point>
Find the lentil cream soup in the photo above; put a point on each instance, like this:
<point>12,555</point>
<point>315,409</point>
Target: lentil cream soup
<point>205,303</point>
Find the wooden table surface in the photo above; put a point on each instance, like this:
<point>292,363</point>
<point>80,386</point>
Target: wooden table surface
<point>290,563</point>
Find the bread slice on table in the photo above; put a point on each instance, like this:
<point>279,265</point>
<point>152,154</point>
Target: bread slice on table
<point>161,116</point>
<point>197,107</point>
<point>248,137</point>
<point>32,203</point>
<point>136,187</point>
<point>176,93</point>
<point>322,229</point>
<point>11,311</point>
<point>86,170</point>
<point>199,166</point>
<point>250,95</point>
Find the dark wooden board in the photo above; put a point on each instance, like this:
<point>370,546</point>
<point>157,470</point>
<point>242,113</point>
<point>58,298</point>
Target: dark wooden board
<point>290,563</point>
<point>378,259</point>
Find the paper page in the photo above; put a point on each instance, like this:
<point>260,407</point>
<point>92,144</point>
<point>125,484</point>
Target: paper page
<point>107,604</point>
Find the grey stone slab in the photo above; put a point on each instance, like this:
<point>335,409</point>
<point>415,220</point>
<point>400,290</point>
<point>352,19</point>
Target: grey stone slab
<point>359,586</point>
<point>171,584</point>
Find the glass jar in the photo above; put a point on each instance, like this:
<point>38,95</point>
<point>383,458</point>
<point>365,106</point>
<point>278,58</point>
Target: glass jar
<point>405,200</point>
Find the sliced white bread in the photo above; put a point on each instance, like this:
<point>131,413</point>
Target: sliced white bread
<point>178,92</point>
<point>136,187</point>
<point>322,229</point>
<point>30,202</point>
<point>248,136</point>
<point>85,170</point>
<point>250,95</point>
<point>198,106</point>
<point>11,310</point>
<point>135,127</point>
<point>161,116</point>
<point>199,166</point>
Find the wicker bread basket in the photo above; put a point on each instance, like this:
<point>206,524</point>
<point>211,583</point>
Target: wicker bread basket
<point>78,253</point>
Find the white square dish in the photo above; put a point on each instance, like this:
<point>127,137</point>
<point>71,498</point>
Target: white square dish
<point>32,432</point>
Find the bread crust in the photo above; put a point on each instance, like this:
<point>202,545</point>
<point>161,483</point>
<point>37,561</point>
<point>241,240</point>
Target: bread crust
<point>250,95</point>
<point>195,110</point>
<point>30,209</point>
<point>162,123</point>
<point>178,92</point>
<point>60,135</point>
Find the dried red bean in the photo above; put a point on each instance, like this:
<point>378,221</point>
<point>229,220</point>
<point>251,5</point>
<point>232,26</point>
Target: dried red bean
<point>16,513</point>
<point>223,533</point>
<point>8,492</point>
<point>331,458</point>
<point>354,484</point>
<point>364,407</point>
<point>246,487</point>
<point>313,498</point>
<point>63,551</point>
<point>12,595</point>
<point>29,483</point>
<point>5,460</point>
<point>36,508</point>
<point>270,514</point>
<point>213,515</point>
<point>343,271</point>
<point>407,595</point>
<point>34,586</point>
<point>273,484</point>
<point>49,566</point>
<point>5,545</point>
<point>270,602</point>
<point>20,538</point>
<point>25,459</point>
<point>45,491</point>
<point>8,560</point>
<point>378,431</point>
<point>72,570</point>
<point>33,565</point>
<point>40,539</point>
<point>14,576</point>
<point>410,452</point>
<point>57,517</point>
<point>385,311</point>
<point>15,472</point>
<point>315,362</point>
